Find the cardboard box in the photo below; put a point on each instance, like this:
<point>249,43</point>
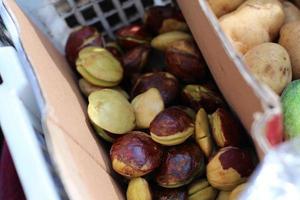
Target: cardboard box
<point>80,160</point>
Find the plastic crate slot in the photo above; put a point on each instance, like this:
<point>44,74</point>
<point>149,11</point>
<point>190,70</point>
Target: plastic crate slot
<point>114,20</point>
<point>89,13</point>
<point>147,3</point>
<point>72,21</point>
<point>131,11</point>
<point>106,6</point>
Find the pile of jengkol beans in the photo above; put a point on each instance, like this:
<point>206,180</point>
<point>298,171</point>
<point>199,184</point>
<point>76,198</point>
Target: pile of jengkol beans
<point>150,95</point>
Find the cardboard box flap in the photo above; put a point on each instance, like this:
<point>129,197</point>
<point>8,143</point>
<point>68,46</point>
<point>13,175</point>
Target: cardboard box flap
<point>80,160</point>
<point>80,174</point>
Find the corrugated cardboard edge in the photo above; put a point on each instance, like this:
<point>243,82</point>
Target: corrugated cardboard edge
<point>254,103</point>
<point>81,162</point>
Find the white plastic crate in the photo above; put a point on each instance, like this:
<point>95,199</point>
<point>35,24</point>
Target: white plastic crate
<point>59,17</point>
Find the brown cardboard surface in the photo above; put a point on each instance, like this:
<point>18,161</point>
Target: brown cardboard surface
<point>235,89</point>
<point>81,175</point>
<point>81,162</point>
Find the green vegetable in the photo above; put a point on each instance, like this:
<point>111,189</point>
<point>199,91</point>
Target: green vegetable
<point>291,109</point>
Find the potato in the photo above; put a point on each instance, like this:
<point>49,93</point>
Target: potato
<point>270,64</point>
<point>292,13</point>
<point>253,23</point>
<point>290,40</point>
<point>222,7</point>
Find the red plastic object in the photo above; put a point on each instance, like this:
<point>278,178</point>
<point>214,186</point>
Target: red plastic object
<point>274,130</point>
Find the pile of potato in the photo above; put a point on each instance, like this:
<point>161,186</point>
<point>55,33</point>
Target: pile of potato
<point>267,35</point>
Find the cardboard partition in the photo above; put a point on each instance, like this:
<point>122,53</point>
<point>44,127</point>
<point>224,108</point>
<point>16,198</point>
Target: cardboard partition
<point>81,161</point>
